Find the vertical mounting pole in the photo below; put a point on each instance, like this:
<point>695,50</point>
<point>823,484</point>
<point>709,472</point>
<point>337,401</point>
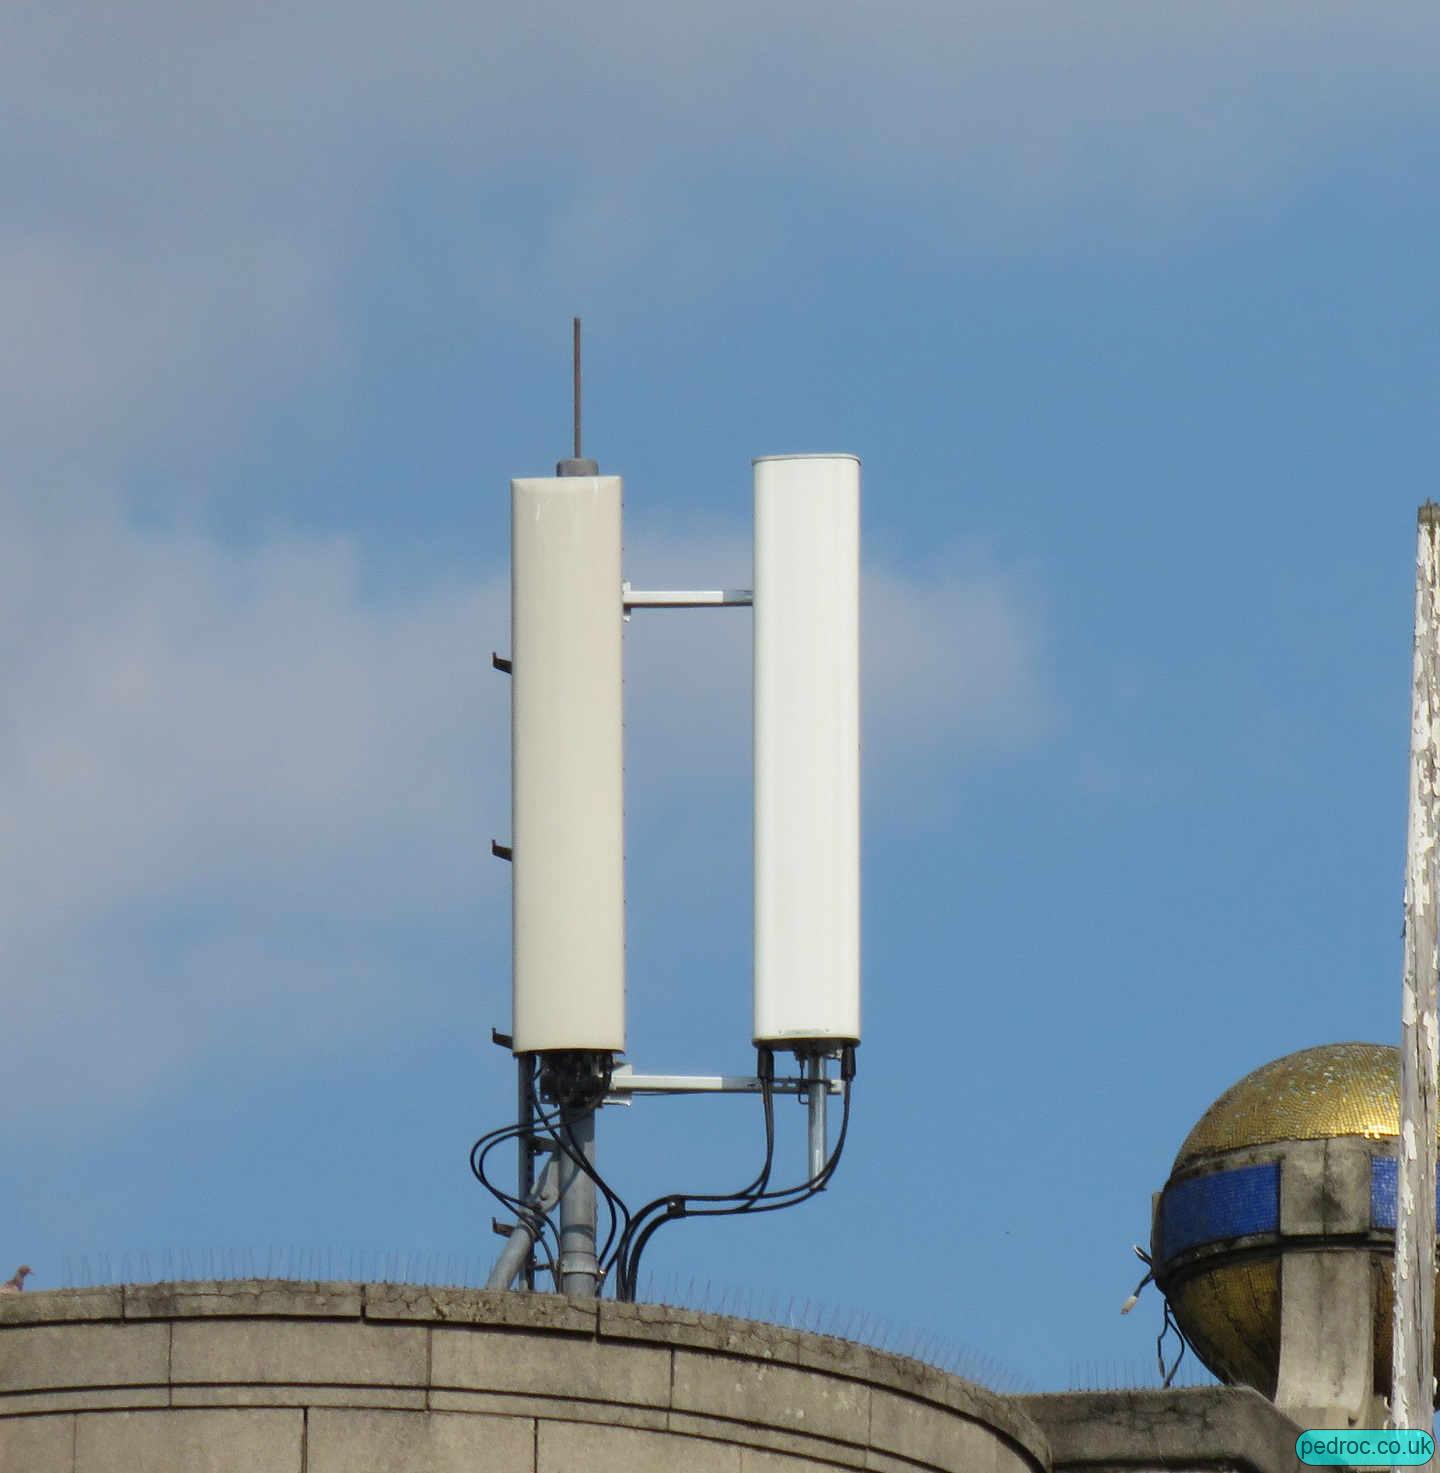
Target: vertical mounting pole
<point>579,1265</point>
<point>817,1097</point>
<point>575,378</point>
<point>1412,1399</point>
<point>525,1151</point>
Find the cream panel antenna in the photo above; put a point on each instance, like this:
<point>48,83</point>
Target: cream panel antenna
<point>566,744</point>
<point>807,749</point>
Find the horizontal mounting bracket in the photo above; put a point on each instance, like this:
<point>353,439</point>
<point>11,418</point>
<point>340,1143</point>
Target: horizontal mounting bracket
<point>626,1082</point>
<point>684,598</point>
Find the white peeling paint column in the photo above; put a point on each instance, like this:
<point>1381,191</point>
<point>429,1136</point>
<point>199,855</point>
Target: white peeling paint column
<point>1412,1397</point>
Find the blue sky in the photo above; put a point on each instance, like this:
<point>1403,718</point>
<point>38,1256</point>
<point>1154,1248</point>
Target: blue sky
<point>1129,312</point>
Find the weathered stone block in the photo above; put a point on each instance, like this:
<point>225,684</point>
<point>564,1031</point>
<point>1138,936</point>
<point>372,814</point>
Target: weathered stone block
<point>878,1462</point>
<point>1012,1459</point>
<point>37,1445</point>
<point>753,1460</point>
<point>912,1429</point>
<point>667,1325</point>
<point>664,1324</point>
<point>553,1366</point>
<point>406,1442</point>
<point>395,1398</point>
<point>1327,1308</point>
<point>771,1395</point>
<point>1347,1186</point>
<point>562,1447</point>
<point>83,1399</point>
<point>926,1383</point>
<point>1302,1189</point>
<point>823,1451</point>
<point>298,1353</point>
<point>59,1306</point>
<point>190,1442</point>
<point>213,1299</point>
<point>562,1409</point>
<point>50,1357</point>
<point>1198,1426</point>
<point>410,1302</point>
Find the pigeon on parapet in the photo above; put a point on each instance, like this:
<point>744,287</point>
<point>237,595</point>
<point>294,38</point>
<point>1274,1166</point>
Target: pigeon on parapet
<point>16,1282</point>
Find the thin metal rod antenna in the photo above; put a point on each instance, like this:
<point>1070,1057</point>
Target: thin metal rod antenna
<point>575,386</point>
<point>576,464</point>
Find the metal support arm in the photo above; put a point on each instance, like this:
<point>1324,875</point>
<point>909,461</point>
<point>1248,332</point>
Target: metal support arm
<point>676,598</point>
<point>516,1253</point>
<point>626,1082</point>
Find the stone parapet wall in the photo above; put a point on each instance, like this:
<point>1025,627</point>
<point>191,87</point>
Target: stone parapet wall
<point>1194,1429</point>
<point>267,1377</point>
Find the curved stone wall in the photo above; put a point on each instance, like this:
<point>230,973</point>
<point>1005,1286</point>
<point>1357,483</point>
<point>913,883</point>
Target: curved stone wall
<point>266,1377</point>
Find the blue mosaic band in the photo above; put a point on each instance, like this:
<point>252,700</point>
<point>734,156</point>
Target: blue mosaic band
<point>1225,1204</point>
<point>1384,1190</point>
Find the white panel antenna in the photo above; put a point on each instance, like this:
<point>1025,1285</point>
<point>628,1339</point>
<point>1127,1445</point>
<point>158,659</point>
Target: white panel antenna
<point>567,798</point>
<point>568,604</point>
<point>807,750</point>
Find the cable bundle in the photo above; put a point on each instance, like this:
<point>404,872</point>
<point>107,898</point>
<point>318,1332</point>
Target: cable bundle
<point>625,1244</point>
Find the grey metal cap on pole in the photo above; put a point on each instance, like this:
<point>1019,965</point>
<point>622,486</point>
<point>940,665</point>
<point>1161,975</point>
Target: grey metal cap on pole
<point>1412,1400</point>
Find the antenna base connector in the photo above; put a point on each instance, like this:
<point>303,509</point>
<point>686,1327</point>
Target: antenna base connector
<point>577,468</point>
<point>576,1079</point>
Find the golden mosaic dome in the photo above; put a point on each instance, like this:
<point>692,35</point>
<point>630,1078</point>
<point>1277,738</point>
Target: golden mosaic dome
<point>1229,1306</point>
<point>1336,1089</point>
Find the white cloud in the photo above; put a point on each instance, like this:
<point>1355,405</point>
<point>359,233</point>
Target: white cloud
<point>955,667</point>
<point>238,791</point>
<point>176,710</point>
<point>188,189</point>
<point>174,78</point>
<point>115,347</point>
